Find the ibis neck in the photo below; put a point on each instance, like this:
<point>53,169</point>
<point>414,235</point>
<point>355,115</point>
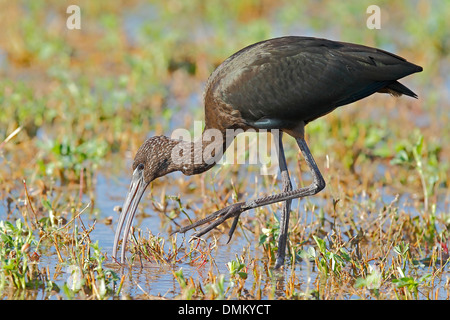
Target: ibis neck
<point>202,154</point>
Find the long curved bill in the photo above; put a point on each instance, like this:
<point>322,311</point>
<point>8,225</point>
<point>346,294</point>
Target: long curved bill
<point>137,189</point>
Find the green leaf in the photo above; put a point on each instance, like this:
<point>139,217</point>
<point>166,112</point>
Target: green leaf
<point>321,244</point>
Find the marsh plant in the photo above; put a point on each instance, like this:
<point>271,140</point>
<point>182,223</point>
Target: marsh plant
<point>82,260</point>
<point>18,259</point>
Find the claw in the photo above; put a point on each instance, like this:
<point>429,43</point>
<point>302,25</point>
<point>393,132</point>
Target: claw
<point>233,227</point>
<point>218,218</point>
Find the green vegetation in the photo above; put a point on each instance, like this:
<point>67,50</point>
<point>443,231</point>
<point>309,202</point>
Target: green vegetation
<point>76,104</point>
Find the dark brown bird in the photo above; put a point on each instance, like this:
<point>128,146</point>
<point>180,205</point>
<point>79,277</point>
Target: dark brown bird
<point>282,83</point>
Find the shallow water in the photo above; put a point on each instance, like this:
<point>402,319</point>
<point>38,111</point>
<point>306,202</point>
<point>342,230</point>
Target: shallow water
<point>157,279</point>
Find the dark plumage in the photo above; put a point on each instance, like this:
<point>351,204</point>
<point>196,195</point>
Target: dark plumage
<point>281,83</point>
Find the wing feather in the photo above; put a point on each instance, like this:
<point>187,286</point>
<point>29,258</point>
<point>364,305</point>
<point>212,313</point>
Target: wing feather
<point>301,78</point>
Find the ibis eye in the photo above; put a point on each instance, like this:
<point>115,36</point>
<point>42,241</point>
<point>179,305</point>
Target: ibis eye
<point>140,166</point>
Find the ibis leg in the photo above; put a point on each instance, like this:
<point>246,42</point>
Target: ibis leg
<point>284,221</point>
<point>234,210</point>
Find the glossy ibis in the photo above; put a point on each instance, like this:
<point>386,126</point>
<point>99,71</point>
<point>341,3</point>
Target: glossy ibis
<point>278,84</point>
